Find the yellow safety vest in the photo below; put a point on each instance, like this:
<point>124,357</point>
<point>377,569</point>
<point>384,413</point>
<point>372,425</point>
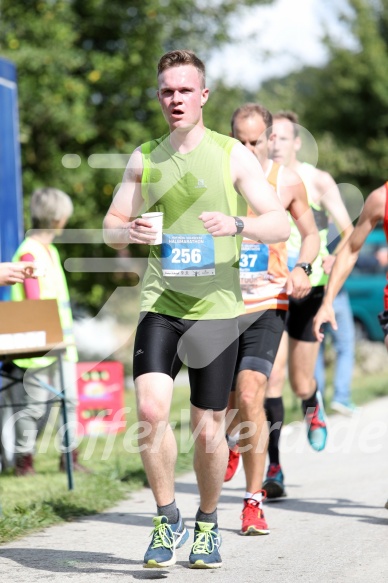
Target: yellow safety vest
<point>52,286</point>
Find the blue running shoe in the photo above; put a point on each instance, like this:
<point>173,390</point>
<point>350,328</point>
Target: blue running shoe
<point>165,539</point>
<point>348,409</point>
<point>274,482</point>
<point>316,425</point>
<point>204,552</point>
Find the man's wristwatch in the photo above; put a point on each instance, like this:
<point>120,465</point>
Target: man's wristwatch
<point>306,267</point>
<point>239,225</point>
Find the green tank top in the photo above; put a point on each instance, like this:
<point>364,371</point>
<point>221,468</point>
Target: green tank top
<point>318,276</point>
<point>191,275</point>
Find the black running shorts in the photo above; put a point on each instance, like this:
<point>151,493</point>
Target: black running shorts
<point>207,347</point>
<point>260,335</point>
<point>299,322</point>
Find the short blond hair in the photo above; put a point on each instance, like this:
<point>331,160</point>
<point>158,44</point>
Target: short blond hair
<point>48,206</point>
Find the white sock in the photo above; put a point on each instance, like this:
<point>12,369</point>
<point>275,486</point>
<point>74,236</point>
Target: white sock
<point>232,440</point>
<point>254,496</point>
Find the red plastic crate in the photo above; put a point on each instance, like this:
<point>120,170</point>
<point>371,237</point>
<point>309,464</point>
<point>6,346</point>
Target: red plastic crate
<point>100,408</point>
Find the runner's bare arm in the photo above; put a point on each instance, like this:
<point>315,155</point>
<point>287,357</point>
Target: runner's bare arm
<point>332,201</point>
<point>120,225</point>
<point>271,225</point>
<point>372,212</point>
<point>293,192</point>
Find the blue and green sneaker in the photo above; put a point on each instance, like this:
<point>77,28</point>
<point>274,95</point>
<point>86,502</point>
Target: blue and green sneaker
<point>165,539</point>
<point>204,552</point>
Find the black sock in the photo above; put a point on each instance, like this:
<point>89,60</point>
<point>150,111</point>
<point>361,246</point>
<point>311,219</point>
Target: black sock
<point>170,511</point>
<point>311,402</point>
<point>203,517</point>
<point>274,409</point>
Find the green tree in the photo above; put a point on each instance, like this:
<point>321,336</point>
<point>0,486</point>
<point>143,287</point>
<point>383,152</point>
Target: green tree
<point>345,103</point>
<point>351,94</point>
<point>87,86</point>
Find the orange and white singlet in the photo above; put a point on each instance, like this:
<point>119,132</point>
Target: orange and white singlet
<point>263,268</point>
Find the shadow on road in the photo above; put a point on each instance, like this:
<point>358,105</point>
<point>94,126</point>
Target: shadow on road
<point>77,562</point>
<point>329,507</point>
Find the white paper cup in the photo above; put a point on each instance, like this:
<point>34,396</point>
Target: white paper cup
<point>157,222</point>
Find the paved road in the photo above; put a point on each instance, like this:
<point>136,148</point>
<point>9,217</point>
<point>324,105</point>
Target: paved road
<point>332,527</point>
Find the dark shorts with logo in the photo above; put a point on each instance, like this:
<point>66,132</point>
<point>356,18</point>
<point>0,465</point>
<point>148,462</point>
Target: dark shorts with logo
<point>301,313</point>
<point>260,335</point>
<point>208,348</point>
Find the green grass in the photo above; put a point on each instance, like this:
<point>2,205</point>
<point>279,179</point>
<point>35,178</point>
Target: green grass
<point>31,503</point>
<point>34,502</point>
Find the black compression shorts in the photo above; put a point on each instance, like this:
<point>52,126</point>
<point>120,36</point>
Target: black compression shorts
<point>260,335</point>
<point>299,322</point>
<point>207,347</point>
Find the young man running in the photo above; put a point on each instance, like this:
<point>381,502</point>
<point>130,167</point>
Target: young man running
<point>191,295</point>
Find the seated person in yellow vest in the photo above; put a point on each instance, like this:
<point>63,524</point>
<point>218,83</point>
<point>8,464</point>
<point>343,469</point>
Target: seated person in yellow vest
<point>50,210</point>
<point>11,273</point>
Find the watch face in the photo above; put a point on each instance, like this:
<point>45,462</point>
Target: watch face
<point>306,268</point>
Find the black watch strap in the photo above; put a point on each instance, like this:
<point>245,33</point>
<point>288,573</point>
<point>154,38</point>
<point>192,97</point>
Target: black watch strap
<point>239,225</point>
<point>306,267</point>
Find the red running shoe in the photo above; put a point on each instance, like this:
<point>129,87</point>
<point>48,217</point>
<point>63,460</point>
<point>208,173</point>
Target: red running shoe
<point>234,464</point>
<point>253,521</point>
<point>274,482</point>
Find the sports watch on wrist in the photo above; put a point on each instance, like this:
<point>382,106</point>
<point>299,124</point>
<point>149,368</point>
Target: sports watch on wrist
<point>239,225</point>
<point>306,267</point>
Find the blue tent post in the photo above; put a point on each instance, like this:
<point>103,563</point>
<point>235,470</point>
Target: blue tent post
<point>11,205</point>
